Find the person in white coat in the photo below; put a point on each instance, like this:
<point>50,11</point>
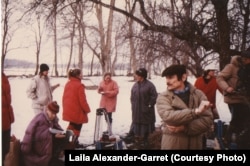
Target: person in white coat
<point>40,89</point>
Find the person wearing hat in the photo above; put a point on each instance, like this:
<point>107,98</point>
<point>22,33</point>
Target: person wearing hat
<point>40,90</point>
<point>234,80</point>
<point>143,99</point>
<point>39,146</point>
<point>184,110</point>
<point>207,84</point>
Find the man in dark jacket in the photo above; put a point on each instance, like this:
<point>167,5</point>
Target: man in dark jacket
<point>143,99</point>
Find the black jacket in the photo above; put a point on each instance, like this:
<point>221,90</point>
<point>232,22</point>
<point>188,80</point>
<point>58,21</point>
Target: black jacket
<point>143,98</point>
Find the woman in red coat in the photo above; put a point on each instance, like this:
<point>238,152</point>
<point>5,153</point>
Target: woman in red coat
<point>75,105</point>
<point>7,115</point>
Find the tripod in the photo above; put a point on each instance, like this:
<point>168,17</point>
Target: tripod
<point>99,114</point>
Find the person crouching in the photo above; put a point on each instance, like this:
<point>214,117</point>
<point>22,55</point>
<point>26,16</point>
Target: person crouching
<point>39,145</point>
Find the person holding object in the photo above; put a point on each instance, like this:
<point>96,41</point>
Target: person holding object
<point>75,105</point>
<point>208,85</point>
<point>39,146</point>
<point>7,115</point>
<point>235,82</point>
<point>40,90</point>
<point>184,110</point>
<point>109,90</point>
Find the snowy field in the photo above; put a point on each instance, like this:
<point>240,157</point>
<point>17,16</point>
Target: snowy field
<point>121,118</point>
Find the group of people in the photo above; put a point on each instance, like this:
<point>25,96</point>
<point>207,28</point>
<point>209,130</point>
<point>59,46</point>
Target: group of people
<point>187,111</point>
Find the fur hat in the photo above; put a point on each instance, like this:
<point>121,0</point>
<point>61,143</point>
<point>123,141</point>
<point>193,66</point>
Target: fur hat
<point>53,107</point>
<point>142,72</point>
<point>44,67</point>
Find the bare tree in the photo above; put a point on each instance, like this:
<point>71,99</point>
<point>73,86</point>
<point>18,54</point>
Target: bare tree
<point>7,12</point>
<point>131,9</point>
<point>211,31</point>
<point>54,26</point>
<point>105,38</point>
<point>38,41</point>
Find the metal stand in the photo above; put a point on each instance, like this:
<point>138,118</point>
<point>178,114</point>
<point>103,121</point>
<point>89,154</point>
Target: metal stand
<point>98,133</point>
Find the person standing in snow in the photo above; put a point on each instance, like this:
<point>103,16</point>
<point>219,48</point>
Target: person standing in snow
<point>7,115</point>
<point>230,80</point>
<point>40,90</point>
<point>184,110</point>
<point>143,99</point>
<point>109,90</point>
<point>75,105</point>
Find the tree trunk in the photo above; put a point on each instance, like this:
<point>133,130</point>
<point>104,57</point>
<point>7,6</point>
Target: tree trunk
<point>105,59</point>
<point>223,26</point>
<point>55,40</point>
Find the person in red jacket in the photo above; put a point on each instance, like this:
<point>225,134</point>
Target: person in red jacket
<point>208,85</point>
<point>7,115</point>
<point>75,105</point>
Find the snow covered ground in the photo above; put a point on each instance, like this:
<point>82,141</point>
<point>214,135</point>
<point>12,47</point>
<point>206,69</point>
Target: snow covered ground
<point>121,118</point>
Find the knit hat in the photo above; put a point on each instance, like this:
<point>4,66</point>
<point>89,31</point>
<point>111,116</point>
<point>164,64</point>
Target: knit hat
<point>44,67</point>
<point>142,72</point>
<point>53,107</point>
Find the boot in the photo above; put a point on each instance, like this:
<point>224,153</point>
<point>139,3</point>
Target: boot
<point>110,129</point>
<point>76,142</point>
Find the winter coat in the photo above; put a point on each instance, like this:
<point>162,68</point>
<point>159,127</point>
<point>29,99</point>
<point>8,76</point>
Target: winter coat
<point>208,88</point>
<point>37,143</point>
<point>40,91</point>
<point>109,99</point>
<point>174,112</point>
<point>75,105</point>
<point>7,110</point>
<point>228,77</point>
<point>143,98</point>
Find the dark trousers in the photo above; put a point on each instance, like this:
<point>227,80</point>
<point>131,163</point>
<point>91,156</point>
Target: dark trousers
<point>240,124</point>
<point>240,117</point>
<point>109,116</point>
<point>59,145</point>
<point>76,128</point>
<point>5,143</point>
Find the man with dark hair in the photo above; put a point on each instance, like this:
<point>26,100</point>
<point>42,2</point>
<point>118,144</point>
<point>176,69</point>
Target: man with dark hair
<point>234,81</point>
<point>185,111</point>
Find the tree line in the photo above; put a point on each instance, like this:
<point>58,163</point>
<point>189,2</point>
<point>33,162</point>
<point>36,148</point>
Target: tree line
<point>143,33</point>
